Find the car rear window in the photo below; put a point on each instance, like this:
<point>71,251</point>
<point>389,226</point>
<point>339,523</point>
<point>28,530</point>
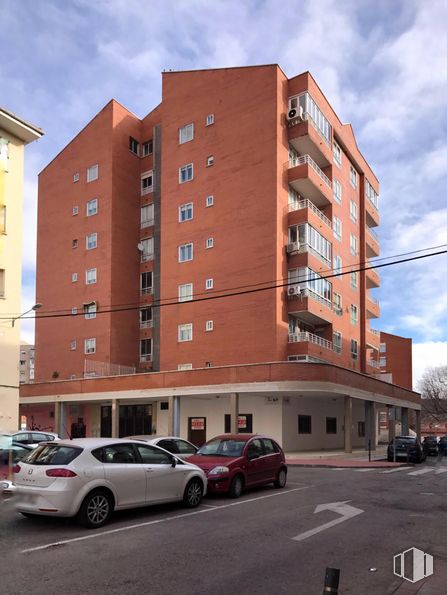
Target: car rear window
<point>53,455</point>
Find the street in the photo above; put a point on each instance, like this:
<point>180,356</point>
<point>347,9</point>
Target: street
<point>267,542</point>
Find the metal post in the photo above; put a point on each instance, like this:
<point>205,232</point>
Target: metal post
<point>331,581</point>
<point>348,424</point>
<point>369,450</point>
<point>234,408</point>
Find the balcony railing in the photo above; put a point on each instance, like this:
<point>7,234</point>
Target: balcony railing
<point>372,233</point>
<point>147,223</point>
<point>147,291</point>
<point>373,300</point>
<point>306,337</point>
<point>295,160</point>
<point>146,257</point>
<point>305,203</point>
<point>305,292</point>
<point>147,357</point>
<point>373,363</point>
<point>146,323</point>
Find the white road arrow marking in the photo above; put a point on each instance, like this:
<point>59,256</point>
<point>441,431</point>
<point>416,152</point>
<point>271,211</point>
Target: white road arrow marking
<point>421,472</point>
<point>343,508</point>
<point>396,469</point>
<point>441,470</point>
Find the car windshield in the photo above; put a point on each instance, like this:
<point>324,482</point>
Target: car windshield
<point>52,455</point>
<point>405,440</point>
<point>222,448</point>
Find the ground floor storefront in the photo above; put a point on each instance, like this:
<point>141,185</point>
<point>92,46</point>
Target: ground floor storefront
<point>303,406</point>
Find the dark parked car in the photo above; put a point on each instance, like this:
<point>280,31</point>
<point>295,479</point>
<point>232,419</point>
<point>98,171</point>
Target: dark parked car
<point>442,445</point>
<point>233,462</point>
<point>406,447</point>
<point>430,446</point>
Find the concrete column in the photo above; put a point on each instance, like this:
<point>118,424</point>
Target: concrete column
<point>370,425</point>
<point>234,410</point>
<point>418,423</point>
<point>176,416</point>
<point>391,422</point>
<point>348,423</point>
<point>115,418</point>
<point>405,427</point>
<point>60,419</point>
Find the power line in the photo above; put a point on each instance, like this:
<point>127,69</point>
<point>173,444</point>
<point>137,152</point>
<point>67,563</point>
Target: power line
<point>234,293</point>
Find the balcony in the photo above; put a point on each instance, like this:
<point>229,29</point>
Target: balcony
<point>312,308</point>
<point>305,343</point>
<point>372,277</point>
<point>305,211</point>
<point>308,179</point>
<point>372,338</point>
<point>372,308</point>
<point>306,138</point>
<point>372,214</point>
<point>372,243</point>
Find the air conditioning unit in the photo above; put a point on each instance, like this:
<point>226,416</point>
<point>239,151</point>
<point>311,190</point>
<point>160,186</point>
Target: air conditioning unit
<point>293,247</point>
<point>140,247</point>
<point>295,113</point>
<point>294,290</point>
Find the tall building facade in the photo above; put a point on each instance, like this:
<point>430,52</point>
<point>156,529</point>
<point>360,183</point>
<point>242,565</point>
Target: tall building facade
<point>231,225</point>
<point>15,133</point>
<point>27,353</point>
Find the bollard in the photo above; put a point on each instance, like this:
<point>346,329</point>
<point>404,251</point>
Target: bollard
<point>369,450</point>
<point>331,580</point>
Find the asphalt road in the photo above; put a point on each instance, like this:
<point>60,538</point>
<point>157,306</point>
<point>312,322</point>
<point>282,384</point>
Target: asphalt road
<point>267,542</point>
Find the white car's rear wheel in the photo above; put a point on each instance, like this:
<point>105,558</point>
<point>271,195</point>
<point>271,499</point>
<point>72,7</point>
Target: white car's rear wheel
<point>96,509</point>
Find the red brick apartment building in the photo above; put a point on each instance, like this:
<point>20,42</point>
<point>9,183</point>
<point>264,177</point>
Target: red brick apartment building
<point>225,235</point>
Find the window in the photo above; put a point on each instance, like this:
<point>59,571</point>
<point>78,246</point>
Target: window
<point>146,317</point>
<point>147,182</point>
<point>304,424</point>
<point>353,176</point>
<point>146,247</point>
<point>337,153</point>
<point>310,283</point>
<point>353,244</point>
<point>186,133</point>
<point>354,349</point>
<point>75,210</point>
<point>145,350</point>
<point>148,148</point>
<point>331,425</point>
<point>147,216</point>
<point>210,160</point>
<point>353,280</point>
<point>90,345</point>
<point>382,347</point>
<point>244,423</point>
<point>185,212</point>
<point>185,173</point>
<point>337,190</point>
<point>74,277</point>
<point>336,340</point>
<point>312,111</point>
<point>354,314</point>
<point>209,243</point>
<point>309,239</point>
<point>76,177</point>
<point>185,332</point>
<point>336,224</point>
<point>90,276</point>
<point>382,362</point>
<point>209,201</point>
<point>2,283</point>
<point>185,292</point>
<point>92,207</point>
<point>185,252</point>
<point>74,243</point>
<point>209,283</point>
<point>74,310</point>
<point>209,119</point>
<point>337,266</point>
<point>73,345</point>
<point>337,304</point>
<point>154,456</point>
<point>146,282</point>
<point>209,325</point>
<point>353,211</point>
<point>184,367</point>
<point>92,173</point>
<point>371,194</point>
<point>134,146</point>
<point>90,310</point>
<point>91,241</point>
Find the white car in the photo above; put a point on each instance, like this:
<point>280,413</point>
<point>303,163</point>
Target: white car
<point>34,437</point>
<point>178,446</point>
<point>89,478</point>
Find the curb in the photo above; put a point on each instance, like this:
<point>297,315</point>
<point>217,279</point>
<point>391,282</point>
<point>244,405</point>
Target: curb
<point>340,465</point>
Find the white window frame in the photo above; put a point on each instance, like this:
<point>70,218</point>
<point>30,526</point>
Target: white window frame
<point>337,303</point>
<point>146,357</point>
<point>209,120</point>
<point>90,278</point>
<point>354,349</point>
<point>74,243</point>
<point>209,284</point>
<point>209,243</point>
<point>338,269</point>
<point>91,241</point>
<point>90,345</point>
<point>92,173</point>
<point>337,227</point>
<point>147,253</point>
<point>209,326</point>
<point>185,212</point>
<point>75,210</point>
<point>145,176</point>
<point>337,344</point>
<point>134,144</point>
<point>76,177</point>
<point>337,190</point>
<point>184,367</point>
<point>210,160</point>
<point>353,279</point>
<point>353,244</point>
<point>353,211</point>
<point>90,311</point>
<point>91,203</point>
<point>145,147</point>
<point>146,290</point>
<point>73,345</point>
<point>74,277</point>
<point>353,176</point>
<point>186,133</point>
<point>337,153</point>
<point>147,215</point>
<point>185,332</point>
<point>149,320</point>
<point>185,169</point>
<point>186,250</point>
<point>209,201</point>
<point>185,292</point>
<point>74,310</point>
<point>354,314</point>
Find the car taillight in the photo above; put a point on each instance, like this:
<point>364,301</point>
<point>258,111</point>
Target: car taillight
<point>16,468</point>
<point>60,473</point>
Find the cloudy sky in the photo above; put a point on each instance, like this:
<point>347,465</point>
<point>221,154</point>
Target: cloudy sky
<point>381,63</point>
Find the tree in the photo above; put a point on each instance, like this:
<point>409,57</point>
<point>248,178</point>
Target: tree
<point>433,388</point>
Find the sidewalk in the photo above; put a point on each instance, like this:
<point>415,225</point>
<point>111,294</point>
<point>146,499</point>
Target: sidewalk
<point>358,458</point>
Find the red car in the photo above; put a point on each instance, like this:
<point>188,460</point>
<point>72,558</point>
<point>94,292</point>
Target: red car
<point>233,462</point>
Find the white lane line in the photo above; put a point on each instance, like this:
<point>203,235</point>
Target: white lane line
<point>441,470</point>
<point>341,468</point>
<point>366,470</point>
<point>421,472</point>
<point>158,521</point>
<point>395,470</point>
<point>209,506</point>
